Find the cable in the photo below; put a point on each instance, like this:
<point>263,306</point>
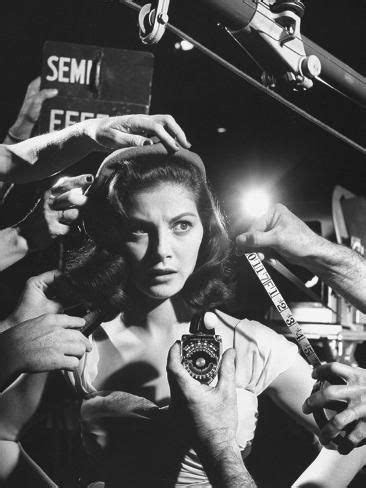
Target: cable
<point>243,48</point>
<point>256,83</point>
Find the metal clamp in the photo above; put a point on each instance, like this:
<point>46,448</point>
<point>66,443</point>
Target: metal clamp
<point>153,18</point>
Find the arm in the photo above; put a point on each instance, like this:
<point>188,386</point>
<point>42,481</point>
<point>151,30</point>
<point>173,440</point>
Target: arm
<point>211,413</point>
<point>330,469</point>
<point>16,466</point>
<point>26,120</point>
<point>353,393</point>
<point>13,246</point>
<point>342,269</point>
<point>51,218</point>
<point>38,343</point>
<point>46,343</point>
<point>42,339</point>
<point>29,112</point>
<point>282,232</point>
<point>17,406</point>
<point>44,155</point>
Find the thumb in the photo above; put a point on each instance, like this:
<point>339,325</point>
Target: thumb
<point>255,239</point>
<point>45,279</point>
<point>174,360</point>
<point>173,366</point>
<point>47,93</point>
<point>177,374</point>
<point>226,373</point>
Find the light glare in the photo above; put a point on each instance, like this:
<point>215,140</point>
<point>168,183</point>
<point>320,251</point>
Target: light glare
<point>184,45</point>
<point>256,202</point>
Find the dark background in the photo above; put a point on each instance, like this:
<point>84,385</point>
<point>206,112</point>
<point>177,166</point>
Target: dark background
<point>264,144</point>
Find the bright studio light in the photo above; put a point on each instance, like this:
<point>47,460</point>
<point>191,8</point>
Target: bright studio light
<point>184,45</point>
<point>255,202</point>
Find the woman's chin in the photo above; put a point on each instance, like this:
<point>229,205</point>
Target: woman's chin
<point>161,292</point>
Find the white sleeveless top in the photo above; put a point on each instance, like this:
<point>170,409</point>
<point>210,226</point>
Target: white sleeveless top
<point>137,443</point>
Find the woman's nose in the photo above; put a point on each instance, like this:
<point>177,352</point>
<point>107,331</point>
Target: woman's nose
<point>163,245</point>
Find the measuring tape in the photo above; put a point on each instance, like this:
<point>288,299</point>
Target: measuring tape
<point>321,418</point>
<point>279,302</point>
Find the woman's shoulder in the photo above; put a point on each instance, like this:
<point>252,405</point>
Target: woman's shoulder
<point>246,330</point>
<point>261,353</point>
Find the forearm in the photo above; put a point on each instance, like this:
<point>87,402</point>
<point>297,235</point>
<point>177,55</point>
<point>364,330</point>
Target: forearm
<point>18,469</point>
<point>19,403</point>
<point>44,155</point>
<point>8,374</point>
<point>224,465</point>
<point>342,269</point>
<point>331,469</point>
<point>13,247</point>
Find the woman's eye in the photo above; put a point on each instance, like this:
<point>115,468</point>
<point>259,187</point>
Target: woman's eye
<point>137,230</point>
<point>182,226</point>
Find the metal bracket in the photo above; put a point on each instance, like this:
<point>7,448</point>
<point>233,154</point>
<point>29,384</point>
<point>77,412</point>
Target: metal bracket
<point>153,18</point>
<point>274,34</point>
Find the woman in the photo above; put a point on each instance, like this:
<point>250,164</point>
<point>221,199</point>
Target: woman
<point>158,247</point>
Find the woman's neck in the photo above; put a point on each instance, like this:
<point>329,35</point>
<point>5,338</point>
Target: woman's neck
<point>153,314</point>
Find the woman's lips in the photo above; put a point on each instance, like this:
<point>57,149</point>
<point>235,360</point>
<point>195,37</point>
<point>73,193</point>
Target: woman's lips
<point>161,274</point>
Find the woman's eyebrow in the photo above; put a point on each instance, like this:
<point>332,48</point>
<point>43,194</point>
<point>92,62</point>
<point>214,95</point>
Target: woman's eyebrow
<point>137,220</point>
<point>140,220</point>
<point>184,214</point>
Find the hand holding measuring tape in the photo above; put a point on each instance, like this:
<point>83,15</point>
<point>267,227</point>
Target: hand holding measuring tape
<point>343,437</point>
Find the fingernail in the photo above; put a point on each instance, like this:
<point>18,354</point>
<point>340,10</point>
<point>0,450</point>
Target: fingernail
<point>177,147</point>
<point>90,179</point>
<point>54,91</point>
<point>148,142</point>
<point>76,191</point>
<point>238,251</point>
<point>305,407</point>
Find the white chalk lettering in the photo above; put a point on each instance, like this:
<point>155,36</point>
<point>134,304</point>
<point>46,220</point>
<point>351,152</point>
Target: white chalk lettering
<point>51,64</point>
<point>77,71</point>
<point>69,70</point>
<point>54,120</point>
<point>64,118</point>
<point>88,69</point>
<point>86,115</point>
<point>72,117</point>
<point>62,69</point>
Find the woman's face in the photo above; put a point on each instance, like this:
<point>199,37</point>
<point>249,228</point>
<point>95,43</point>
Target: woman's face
<point>164,237</point>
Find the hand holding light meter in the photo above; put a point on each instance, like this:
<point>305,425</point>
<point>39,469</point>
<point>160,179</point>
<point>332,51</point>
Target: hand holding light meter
<point>201,351</point>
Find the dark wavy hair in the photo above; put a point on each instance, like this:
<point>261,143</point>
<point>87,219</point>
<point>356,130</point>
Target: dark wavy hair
<point>98,273</point>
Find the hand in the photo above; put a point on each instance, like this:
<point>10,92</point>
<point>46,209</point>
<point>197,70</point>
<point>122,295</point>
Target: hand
<point>211,411</point>
<point>56,212</point>
<point>34,301</point>
<point>280,231</point>
<point>46,343</point>
<point>136,130</point>
<point>354,393</point>
<point>30,110</point>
